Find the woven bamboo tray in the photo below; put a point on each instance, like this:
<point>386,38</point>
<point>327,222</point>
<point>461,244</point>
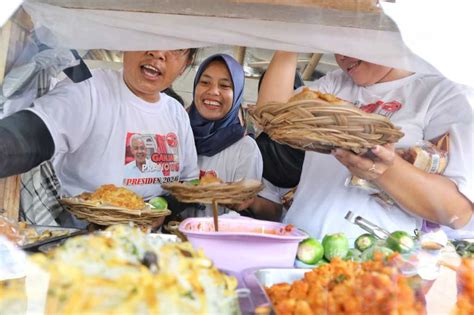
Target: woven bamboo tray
<point>102,214</point>
<point>222,193</point>
<point>316,125</point>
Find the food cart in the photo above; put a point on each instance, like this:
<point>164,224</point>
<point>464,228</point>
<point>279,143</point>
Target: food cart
<point>311,26</point>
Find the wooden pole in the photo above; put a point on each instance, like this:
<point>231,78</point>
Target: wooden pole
<point>239,54</point>
<point>10,186</point>
<point>308,71</point>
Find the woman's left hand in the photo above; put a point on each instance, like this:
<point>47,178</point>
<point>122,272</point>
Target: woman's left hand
<point>365,168</point>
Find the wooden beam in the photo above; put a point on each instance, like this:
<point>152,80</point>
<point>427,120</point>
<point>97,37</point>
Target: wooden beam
<point>239,54</point>
<point>10,197</point>
<point>309,69</point>
<point>4,44</point>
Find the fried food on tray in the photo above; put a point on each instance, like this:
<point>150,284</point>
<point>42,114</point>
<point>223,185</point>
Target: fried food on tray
<point>115,196</point>
<point>209,178</point>
<point>126,271</point>
<point>308,94</point>
<point>347,287</point>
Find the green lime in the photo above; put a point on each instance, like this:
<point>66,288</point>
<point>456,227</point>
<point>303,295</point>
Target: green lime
<point>335,245</point>
<point>400,241</point>
<point>364,241</point>
<point>310,251</point>
<point>193,182</point>
<point>158,203</point>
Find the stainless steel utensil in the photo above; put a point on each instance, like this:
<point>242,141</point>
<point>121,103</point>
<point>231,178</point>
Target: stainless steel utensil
<point>370,227</point>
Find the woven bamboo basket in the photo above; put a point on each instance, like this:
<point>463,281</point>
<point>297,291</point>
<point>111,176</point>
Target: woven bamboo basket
<point>317,125</point>
<point>222,193</point>
<point>103,214</point>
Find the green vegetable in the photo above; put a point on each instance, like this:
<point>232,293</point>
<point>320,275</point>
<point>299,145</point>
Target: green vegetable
<point>310,251</point>
<point>353,254</point>
<point>159,203</point>
<point>400,241</point>
<point>369,253</point>
<point>364,241</point>
<point>193,182</point>
<point>335,245</point>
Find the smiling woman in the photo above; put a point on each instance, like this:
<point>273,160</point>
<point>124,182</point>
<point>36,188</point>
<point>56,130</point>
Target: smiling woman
<point>222,146</point>
<point>114,128</point>
<point>146,73</point>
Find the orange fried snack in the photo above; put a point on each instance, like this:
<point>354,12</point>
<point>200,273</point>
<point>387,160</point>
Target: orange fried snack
<point>115,196</point>
<point>347,287</point>
<point>465,277</point>
<point>308,94</point>
<point>209,178</point>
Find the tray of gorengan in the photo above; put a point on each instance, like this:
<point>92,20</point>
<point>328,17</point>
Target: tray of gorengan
<point>209,189</point>
<point>315,121</point>
<point>113,205</point>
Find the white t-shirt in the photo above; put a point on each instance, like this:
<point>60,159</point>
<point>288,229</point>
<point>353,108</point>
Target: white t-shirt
<point>425,107</point>
<point>91,124</point>
<point>272,192</point>
<point>241,160</point>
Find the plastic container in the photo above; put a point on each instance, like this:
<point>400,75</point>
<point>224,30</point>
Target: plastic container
<point>244,243</point>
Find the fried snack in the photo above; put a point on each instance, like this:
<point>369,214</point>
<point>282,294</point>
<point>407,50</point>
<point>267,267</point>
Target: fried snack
<point>10,230</point>
<point>347,287</point>
<point>115,196</point>
<point>125,271</point>
<point>465,276</point>
<point>308,94</point>
<point>209,178</point>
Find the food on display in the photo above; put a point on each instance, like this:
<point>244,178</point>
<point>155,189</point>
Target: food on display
<point>114,196</point>
<point>209,178</point>
<point>125,271</point>
<point>347,287</point>
<point>158,203</point>
<point>465,276</point>
<point>400,241</point>
<point>10,230</point>
<point>364,241</point>
<point>335,245</point>
<point>310,251</point>
<point>230,227</point>
<point>308,94</point>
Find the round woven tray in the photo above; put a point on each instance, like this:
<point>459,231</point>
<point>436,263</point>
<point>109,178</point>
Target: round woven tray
<point>316,125</point>
<point>108,215</point>
<point>222,193</point>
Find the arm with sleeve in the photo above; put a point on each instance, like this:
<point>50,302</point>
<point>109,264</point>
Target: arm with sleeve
<point>447,198</point>
<point>25,142</point>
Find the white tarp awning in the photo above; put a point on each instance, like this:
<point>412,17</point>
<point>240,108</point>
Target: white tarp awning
<point>435,31</point>
<point>377,41</point>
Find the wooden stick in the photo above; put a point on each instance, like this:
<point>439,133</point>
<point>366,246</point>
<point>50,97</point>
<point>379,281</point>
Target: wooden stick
<point>215,214</point>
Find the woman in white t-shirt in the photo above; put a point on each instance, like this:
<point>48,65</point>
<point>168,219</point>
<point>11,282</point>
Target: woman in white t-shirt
<point>222,145</point>
<point>87,128</point>
<point>427,106</point>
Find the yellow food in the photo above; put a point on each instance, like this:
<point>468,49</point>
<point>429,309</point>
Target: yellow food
<point>115,196</point>
<point>209,178</point>
<point>112,273</point>
<point>308,94</point>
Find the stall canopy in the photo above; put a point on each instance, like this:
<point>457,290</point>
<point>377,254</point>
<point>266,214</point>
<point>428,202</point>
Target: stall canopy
<point>354,28</point>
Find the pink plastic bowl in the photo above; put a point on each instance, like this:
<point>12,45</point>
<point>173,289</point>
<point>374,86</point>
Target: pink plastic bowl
<point>243,243</point>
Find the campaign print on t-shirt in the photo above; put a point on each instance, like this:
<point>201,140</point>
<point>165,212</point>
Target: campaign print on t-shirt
<point>386,109</point>
<point>151,159</point>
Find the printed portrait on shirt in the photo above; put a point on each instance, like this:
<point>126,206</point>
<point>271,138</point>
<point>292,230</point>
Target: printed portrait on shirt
<point>151,159</point>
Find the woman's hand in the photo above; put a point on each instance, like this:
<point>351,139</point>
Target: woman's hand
<point>364,167</point>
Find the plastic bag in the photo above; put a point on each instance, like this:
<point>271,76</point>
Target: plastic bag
<point>429,156</point>
<point>29,76</point>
